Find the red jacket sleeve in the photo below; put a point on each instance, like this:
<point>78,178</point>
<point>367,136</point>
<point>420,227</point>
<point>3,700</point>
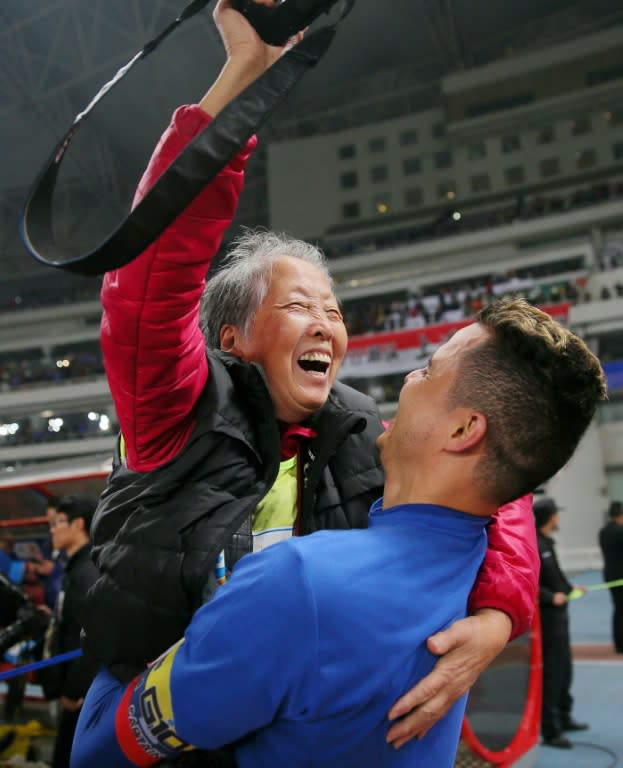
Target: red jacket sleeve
<point>153,348</point>
<point>509,577</point>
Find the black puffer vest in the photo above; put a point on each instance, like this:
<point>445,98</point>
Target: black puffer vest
<point>156,535</point>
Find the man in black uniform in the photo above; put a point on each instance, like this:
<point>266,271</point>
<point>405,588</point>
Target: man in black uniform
<point>611,543</point>
<point>557,667</point>
<point>70,681</point>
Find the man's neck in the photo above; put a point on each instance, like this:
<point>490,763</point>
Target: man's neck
<point>71,550</point>
<point>426,489</point>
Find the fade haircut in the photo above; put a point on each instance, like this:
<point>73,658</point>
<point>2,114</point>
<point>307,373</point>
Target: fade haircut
<point>234,294</point>
<point>538,385</point>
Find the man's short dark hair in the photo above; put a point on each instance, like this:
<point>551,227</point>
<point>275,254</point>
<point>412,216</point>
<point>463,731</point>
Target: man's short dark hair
<point>538,385</point>
<point>544,509</point>
<point>616,509</point>
<point>76,505</point>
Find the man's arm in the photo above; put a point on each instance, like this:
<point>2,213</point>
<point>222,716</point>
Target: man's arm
<point>231,675</point>
<point>154,350</point>
<point>502,603</point>
<point>81,671</point>
<point>546,593</point>
<point>553,584</point>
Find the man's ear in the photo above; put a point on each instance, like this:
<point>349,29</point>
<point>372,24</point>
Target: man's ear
<point>469,430</point>
<point>231,340</point>
<point>80,524</point>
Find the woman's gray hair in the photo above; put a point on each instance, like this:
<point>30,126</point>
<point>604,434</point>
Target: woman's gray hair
<point>234,294</point>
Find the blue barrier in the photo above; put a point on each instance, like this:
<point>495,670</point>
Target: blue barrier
<point>25,668</point>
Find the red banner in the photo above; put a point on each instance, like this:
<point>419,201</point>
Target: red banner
<point>411,338</point>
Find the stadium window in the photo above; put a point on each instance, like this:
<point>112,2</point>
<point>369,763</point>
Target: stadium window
<point>407,138</point>
<point>510,143</point>
<point>413,197</point>
<point>349,180</point>
<point>347,151</point>
<point>446,190</point>
<point>587,158</point>
<point>514,175</point>
<point>617,150</point>
<point>547,135</point>
<point>480,183</point>
<point>443,159</point>
<point>351,210</point>
<point>477,150</point>
<point>411,166</point>
<point>438,130</point>
<point>378,173</point>
<point>549,167</point>
<point>581,126</point>
<point>377,144</point>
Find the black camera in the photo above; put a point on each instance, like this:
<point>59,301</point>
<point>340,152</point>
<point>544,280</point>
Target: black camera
<point>285,18</point>
<point>22,619</point>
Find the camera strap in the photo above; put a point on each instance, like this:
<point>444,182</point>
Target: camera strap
<point>191,171</point>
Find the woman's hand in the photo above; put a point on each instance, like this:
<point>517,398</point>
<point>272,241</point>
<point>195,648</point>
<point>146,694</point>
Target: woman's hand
<point>466,649</point>
<point>240,39</point>
<point>248,56</point>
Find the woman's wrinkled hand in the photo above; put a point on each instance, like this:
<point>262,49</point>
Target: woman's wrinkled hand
<point>465,650</point>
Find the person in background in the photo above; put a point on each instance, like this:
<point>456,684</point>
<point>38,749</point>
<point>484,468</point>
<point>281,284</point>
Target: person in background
<point>611,544</point>
<point>50,566</point>
<point>14,570</point>
<point>69,682</point>
<point>10,565</point>
<point>26,648</point>
<point>331,629</point>
<point>556,642</point>
<point>252,440</point>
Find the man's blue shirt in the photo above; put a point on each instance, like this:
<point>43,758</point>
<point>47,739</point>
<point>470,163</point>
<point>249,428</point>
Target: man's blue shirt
<point>301,655</point>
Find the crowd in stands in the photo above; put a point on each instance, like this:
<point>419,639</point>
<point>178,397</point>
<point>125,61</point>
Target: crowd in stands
<point>445,224</point>
<point>453,302</point>
<point>460,299</point>
<point>53,288</point>
<point>21,368</point>
<point>433,304</point>
<point>34,430</point>
<point>67,288</point>
<point>385,389</point>
<point>552,283</point>
<point>456,301</point>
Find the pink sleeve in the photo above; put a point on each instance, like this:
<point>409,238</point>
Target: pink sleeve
<point>509,577</point>
<point>154,350</point>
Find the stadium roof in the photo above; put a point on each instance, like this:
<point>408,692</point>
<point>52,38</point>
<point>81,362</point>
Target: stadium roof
<point>55,55</point>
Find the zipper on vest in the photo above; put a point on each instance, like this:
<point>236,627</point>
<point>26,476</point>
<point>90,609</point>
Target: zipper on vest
<point>296,528</point>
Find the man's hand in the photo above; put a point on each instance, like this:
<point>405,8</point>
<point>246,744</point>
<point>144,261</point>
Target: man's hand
<point>466,649</point>
<point>44,567</point>
<point>559,598</point>
<point>71,705</point>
